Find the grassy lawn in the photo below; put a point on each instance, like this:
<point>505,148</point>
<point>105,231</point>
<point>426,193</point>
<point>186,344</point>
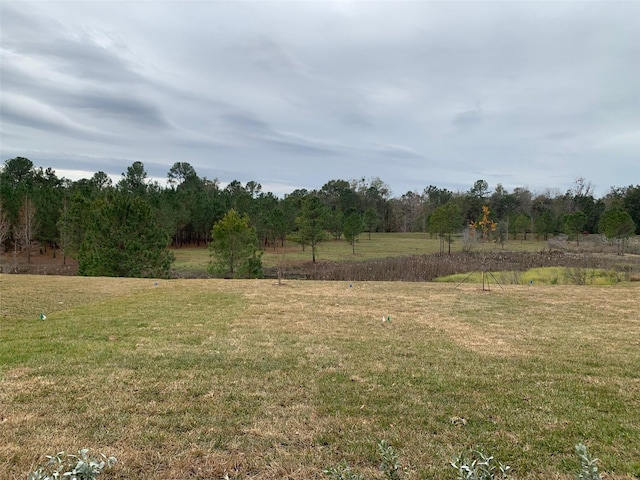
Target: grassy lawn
<point>198,378</point>
<point>381,245</point>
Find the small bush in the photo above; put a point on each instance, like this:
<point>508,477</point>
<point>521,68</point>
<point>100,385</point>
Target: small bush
<point>73,467</point>
<point>343,472</point>
<point>576,276</point>
<point>588,464</point>
<point>473,465</point>
<point>390,464</point>
<point>479,466</point>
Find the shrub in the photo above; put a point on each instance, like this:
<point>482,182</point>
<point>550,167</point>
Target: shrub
<point>477,465</point>
<point>473,465</point>
<point>588,464</point>
<point>390,464</point>
<point>343,472</point>
<point>576,276</point>
<point>73,467</point>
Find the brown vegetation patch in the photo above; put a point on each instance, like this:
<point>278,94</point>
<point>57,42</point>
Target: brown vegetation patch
<point>420,268</point>
<point>41,263</point>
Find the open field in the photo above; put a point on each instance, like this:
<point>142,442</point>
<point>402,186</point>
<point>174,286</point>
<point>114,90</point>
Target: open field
<point>198,378</point>
<point>193,261</point>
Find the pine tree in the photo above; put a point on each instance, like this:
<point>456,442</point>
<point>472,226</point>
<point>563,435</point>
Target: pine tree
<point>124,239</point>
<point>234,247</point>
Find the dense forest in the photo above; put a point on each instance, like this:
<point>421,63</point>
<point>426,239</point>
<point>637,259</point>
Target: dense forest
<point>39,208</point>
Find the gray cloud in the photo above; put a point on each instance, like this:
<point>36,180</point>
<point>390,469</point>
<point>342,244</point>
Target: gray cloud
<point>267,54</point>
<point>71,51</point>
<point>245,122</point>
<point>97,101</point>
<point>33,114</point>
<point>121,106</point>
<point>468,118</point>
<point>397,152</point>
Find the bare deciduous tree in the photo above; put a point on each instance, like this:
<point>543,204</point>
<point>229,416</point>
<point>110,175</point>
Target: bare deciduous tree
<point>26,227</point>
<point>5,226</point>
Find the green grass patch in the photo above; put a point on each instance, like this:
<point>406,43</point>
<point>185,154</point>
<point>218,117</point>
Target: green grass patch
<point>541,276</point>
<point>202,378</point>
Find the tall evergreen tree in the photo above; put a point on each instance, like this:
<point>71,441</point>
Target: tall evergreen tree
<point>123,239</point>
<point>48,194</point>
<point>278,225</point>
<point>312,223</point>
<point>522,224</point>
<point>370,220</point>
<point>445,221</point>
<point>134,180</point>
<point>631,204</point>
<point>16,181</point>
<point>574,224</point>
<point>616,224</point>
<point>353,227</point>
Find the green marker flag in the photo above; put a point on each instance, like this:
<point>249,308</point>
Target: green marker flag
<point>43,316</point>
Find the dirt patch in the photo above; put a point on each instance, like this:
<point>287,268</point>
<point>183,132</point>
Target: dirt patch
<point>40,263</point>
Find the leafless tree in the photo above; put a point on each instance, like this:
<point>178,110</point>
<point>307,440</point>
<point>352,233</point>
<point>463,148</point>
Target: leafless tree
<point>27,225</point>
<point>5,226</point>
<point>582,187</point>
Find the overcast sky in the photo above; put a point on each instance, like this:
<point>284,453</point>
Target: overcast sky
<point>293,94</point>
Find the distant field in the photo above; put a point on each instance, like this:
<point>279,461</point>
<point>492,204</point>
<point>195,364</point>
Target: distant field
<point>201,378</point>
<point>382,245</point>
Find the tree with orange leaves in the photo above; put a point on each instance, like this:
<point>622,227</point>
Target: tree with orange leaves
<point>485,225</point>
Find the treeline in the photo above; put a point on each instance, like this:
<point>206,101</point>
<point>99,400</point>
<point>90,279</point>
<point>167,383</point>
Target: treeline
<point>38,206</point>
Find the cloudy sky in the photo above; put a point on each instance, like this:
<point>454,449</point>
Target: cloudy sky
<point>293,94</point>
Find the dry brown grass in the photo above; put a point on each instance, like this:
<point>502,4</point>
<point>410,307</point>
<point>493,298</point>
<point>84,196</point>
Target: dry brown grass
<point>198,378</point>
